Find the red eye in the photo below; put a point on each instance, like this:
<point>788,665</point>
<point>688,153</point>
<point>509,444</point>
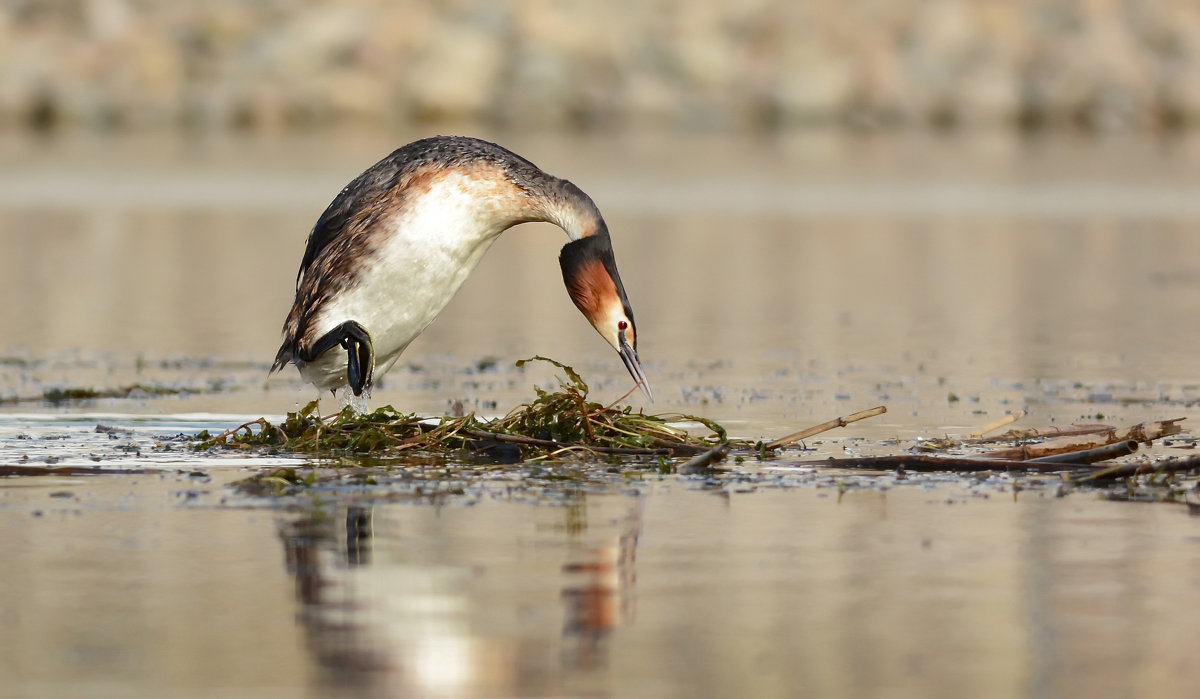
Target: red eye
<point>622,325</point>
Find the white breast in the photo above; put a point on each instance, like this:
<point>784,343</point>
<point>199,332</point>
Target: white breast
<point>426,252</point>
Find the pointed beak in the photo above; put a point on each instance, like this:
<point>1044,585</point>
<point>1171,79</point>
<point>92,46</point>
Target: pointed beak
<point>630,356</point>
<point>590,274</point>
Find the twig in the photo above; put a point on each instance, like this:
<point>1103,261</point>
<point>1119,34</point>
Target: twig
<point>924,462</point>
<point>627,394</point>
<point>587,419</point>
<point>826,426</point>
<point>15,470</point>
<point>234,430</point>
<point>1031,452</point>
<point>1091,456</point>
<point>992,426</point>
<point>702,462</point>
<point>678,448</point>
<point>1141,432</point>
<point>1191,463</point>
<point>1040,433</point>
<point>1149,431</point>
<point>551,444</point>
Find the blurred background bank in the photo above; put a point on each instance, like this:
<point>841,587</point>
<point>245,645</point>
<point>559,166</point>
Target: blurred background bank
<point>757,64</point>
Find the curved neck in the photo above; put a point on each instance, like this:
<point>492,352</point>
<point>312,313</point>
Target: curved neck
<point>569,208</point>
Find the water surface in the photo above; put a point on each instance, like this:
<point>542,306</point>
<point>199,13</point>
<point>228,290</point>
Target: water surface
<point>777,283</point>
<point>127,585</point>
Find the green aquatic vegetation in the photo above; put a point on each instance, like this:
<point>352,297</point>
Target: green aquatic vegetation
<point>567,416</point>
<point>553,423</point>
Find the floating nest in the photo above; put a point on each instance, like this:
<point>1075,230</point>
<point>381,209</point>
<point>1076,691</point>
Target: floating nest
<point>554,423</point>
<point>561,423</point>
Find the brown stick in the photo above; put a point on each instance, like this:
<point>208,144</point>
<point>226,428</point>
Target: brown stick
<point>1041,432</point>
<point>587,419</point>
<point>15,470</point>
<point>679,448</point>
<point>627,394</point>
<point>1149,431</point>
<point>923,462</point>
<point>992,426</point>
<point>703,461</point>
<point>1030,452</point>
<point>234,430</point>
<point>1091,456</point>
<point>1141,432</point>
<point>1191,463</point>
<point>826,426</point>
<point>551,444</point>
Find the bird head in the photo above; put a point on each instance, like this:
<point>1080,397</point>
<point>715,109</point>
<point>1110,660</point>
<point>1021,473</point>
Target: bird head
<point>590,274</point>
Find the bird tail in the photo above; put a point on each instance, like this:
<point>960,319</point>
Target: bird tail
<point>285,356</point>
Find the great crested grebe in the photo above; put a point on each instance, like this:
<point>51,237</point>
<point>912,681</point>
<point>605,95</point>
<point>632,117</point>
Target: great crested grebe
<point>396,243</point>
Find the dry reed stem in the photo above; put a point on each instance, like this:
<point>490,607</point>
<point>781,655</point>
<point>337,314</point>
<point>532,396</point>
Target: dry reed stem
<point>992,426</point>
<point>1191,463</point>
<point>18,470</point>
<point>1041,433</point>
<point>1091,456</point>
<point>924,462</point>
<point>622,398</point>
<point>826,426</point>
<point>587,419</point>
<point>551,444</point>
<point>234,430</point>
<point>1149,431</point>
<point>705,460</point>
<point>1142,432</point>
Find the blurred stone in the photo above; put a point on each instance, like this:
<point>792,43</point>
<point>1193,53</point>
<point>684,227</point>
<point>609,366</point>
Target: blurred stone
<point>456,74</point>
<point>268,64</point>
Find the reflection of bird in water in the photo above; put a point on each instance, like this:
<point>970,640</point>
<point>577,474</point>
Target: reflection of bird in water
<point>599,594</point>
<point>398,241</point>
<point>390,607</point>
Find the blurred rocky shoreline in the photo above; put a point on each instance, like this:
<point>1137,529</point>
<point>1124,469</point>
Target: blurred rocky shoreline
<point>1103,64</point>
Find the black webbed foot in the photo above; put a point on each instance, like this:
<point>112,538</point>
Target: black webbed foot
<point>357,342</point>
<point>358,363</point>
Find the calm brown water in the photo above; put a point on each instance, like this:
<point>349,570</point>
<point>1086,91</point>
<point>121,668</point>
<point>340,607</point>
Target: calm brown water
<point>777,283</point>
<point>129,587</point>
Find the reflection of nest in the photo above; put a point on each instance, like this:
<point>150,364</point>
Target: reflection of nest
<point>399,626</point>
